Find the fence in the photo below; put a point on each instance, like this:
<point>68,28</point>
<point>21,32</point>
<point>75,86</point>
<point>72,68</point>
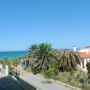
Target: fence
<point>14,72</point>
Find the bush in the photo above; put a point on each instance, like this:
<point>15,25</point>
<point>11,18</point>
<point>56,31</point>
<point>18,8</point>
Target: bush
<point>70,68</point>
<point>79,75</point>
<point>81,80</point>
<point>35,71</point>
<point>51,73</point>
<point>88,67</point>
<point>89,76</point>
<point>69,79</point>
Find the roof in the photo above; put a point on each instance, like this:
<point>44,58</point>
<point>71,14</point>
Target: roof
<point>87,46</point>
<point>84,55</point>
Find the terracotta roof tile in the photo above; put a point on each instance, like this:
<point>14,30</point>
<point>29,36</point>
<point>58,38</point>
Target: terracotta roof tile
<point>84,55</point>
<point>87,46</point>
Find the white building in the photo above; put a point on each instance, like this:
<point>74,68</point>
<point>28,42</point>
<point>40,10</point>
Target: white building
<point>86,50</point>
<point>85,56</point>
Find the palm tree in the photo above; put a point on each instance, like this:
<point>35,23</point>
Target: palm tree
<point>67,59</point>
<point>33,47</point>
<point>43,58</point>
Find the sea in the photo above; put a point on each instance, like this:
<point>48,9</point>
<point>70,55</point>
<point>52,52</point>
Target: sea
<point>11,54</point>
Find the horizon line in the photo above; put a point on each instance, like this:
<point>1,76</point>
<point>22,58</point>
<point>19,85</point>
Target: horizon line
<point>12,50</point>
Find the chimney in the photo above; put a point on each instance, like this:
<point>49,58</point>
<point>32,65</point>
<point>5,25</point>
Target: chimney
<point>74,48</point>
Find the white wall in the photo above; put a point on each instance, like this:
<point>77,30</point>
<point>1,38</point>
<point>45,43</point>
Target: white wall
<point>85,50</point>
<point>86,60</point>
<point>0,66</point>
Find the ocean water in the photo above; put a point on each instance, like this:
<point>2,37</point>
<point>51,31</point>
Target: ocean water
<point>11,54</point>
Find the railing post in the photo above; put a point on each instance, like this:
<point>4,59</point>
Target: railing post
<point>6,70</point>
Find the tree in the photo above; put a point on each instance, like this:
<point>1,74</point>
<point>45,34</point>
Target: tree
<point>6,61</point>
<point>43,57</point>
<point>67,59</point>
<point>33,47</point>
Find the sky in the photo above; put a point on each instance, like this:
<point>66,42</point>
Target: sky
<point>62,23</point>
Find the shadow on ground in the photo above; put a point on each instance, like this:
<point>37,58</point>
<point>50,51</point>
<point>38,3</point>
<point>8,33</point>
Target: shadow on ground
<point>48,82</point>
<point>7,83</point>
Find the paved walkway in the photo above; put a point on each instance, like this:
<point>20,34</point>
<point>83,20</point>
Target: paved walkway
<point>7,83</point>
<point>42,83</point>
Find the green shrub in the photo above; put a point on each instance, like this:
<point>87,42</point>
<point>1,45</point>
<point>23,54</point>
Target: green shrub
<point>81,80</point>
<point>88,67</point>
<point>35,71</point>
<point>51,73</point>
<point>71,72</point>
<point>69,79</point>
<point>88,76</point>
<point>79,75</point>
<point>70,68</point>
<point>87,86</point>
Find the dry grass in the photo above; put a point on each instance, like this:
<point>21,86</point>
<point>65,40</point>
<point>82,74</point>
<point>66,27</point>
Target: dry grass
<point>67,77</point>
<point>28,70</point>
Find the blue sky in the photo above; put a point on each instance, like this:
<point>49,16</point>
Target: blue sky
<point>60,22</point>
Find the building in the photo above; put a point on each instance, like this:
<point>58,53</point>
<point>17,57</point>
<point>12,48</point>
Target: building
<point>85,56</point>
<point>86,49</point>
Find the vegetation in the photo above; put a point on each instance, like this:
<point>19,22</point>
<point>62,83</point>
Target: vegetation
<point>51,73</point>
<point>88,68</point>
<point>67,59</point>
<point>10,61</point>
<point>78,79</point>
<point>6,61</point>
<point>60,65</point>
<point>42,57</point>
<point>35,70</point>
<point>33,47</point>
<point>28,69</point>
